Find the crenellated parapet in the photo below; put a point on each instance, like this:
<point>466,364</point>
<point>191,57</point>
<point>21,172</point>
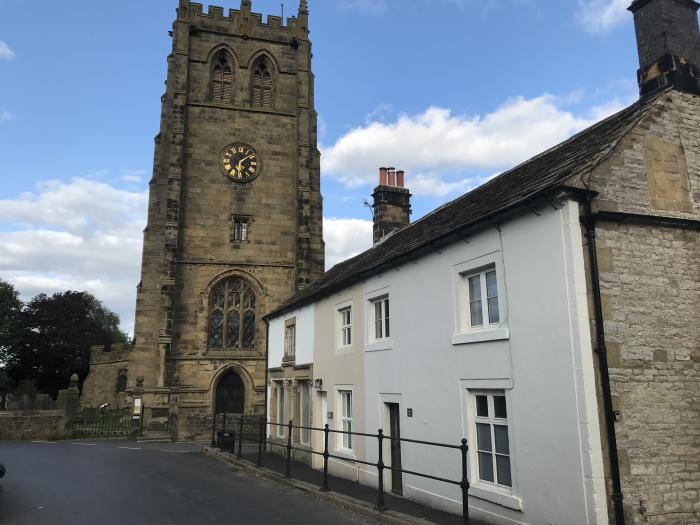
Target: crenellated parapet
<point>103,354</point>
<point>244,22</point>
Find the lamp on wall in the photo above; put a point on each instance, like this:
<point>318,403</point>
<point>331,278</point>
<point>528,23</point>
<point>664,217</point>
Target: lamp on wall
<point>318,384</point>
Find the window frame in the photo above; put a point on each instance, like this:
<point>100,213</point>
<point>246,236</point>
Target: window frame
<point>290,339</point>
<point>305,416</point>
<point>222,58</point>
<point>499,494</point>
<point>482,275</point>
<point>241,226</point>
<point>248,298</point>
<point>263,65</point>
<point>492,421</point>
<point>281,402</point>
<point>345,332</point>
<point>465,331</point>
<point>380,325</point>
<point>345,422</point>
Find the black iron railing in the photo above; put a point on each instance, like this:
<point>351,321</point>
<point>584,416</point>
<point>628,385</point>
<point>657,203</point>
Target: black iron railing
<point>101,423</point>
<point>240,431</point>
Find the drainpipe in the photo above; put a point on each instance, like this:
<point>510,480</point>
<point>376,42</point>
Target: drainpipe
<point>267,366</point>
<point>601,350</point>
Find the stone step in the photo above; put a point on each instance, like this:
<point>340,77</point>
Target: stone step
<point>154,437</point>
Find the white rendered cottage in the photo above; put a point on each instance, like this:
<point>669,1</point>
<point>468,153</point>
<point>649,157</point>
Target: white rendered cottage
<point>550,317</point>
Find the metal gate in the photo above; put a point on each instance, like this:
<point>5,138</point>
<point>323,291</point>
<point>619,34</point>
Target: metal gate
<point>102,423</point>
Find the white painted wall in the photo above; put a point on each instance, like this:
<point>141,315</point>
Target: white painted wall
<point>305,319</point>
<point>540,354</point>
<point>545,366</point>
<point>339,368</point>
<point>305,336</point>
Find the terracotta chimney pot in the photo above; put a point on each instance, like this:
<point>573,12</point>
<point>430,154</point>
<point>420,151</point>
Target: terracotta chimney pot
<point>382,177</point>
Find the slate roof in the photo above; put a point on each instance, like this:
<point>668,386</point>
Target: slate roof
<point>539,175</point>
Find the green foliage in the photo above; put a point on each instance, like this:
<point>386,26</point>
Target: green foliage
<point>11,326</point>
<point>54,338</point>
<point>26,388</point>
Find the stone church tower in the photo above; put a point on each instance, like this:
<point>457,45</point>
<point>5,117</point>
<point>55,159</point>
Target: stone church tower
<point>234,218</point>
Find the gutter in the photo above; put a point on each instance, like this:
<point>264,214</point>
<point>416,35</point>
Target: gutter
<point>589,221</point>
<point>651,220</point>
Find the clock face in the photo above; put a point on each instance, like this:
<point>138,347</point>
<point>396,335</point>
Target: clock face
<point>240,162</point>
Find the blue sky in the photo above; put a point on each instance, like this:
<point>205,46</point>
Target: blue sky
<point>452,91</point>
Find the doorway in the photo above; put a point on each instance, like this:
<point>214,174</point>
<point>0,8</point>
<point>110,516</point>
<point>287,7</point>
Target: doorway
<point>395,447</point>
<point>230,394</point>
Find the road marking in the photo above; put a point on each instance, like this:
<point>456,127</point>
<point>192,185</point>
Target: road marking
<point>130,448</point>
<point>45,442</point>
<point>84,444</point>
<point>175,451</point>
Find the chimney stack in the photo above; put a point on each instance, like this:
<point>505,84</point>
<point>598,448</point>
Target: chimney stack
<point>392,203</point>
<point>668,43</point>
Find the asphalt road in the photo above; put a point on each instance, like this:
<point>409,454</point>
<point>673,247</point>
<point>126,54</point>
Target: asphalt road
<point>124,483</point>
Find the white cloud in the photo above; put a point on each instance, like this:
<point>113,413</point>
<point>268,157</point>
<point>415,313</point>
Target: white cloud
<point>5,116</point>
<point>80,235</point>
<point>432,185</point>
<point>600,16</point>
<point>133,176</point>
<point>438,141</point>
<point>345,238</point>
<point>365,6</point>
<point>5,52</point>
<point>86,235</point>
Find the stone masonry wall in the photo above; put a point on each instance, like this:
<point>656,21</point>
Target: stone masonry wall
<point>188,243</point>
<point>650,287</point>
<point>100,386</point>
<point>651,295</point>
<point>44,424</point>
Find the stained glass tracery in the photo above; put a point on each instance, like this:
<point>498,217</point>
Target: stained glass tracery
<point>232,316</point>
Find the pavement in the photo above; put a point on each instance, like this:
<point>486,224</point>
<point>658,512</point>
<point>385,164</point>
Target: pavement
<point>122,482</point>
<point>342,491</point>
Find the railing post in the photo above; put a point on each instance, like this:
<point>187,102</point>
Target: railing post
<point>240,436</point>
<point>213,431</point>
<point>326,431</point>
<point>261,438</point>
<point>143,414</point>
<point>288,471</point>
<point>465,483</point>
<point>380,471</point>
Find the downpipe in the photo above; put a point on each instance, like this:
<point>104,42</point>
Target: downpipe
<point>602,351</point>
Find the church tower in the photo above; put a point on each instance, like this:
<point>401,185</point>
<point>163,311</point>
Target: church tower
<point>235,212</point>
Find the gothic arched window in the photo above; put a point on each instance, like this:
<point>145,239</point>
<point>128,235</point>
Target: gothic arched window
<point>262,84</point>
<point>221,79</point>
<point>232,316</point>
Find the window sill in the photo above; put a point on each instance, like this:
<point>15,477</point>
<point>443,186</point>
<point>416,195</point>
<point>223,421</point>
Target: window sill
<point>494,496</point>
<point>480,336</point>
<point>341,350</point>
<point>345,454</point>
<point>377,346</point>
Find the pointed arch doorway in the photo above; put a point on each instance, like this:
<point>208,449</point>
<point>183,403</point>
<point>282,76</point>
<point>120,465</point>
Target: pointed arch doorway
<point>230,394</point>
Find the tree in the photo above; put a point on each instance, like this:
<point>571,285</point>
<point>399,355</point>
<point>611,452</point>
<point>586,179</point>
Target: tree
<point>11,326</point>
<point>57,336</point>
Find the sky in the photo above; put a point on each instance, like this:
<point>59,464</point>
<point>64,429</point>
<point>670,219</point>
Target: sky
<point>451,91</point>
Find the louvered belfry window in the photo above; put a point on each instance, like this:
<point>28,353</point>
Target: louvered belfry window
<point>232,316</point>
<point>221,81</point>
<point>262,85</point>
